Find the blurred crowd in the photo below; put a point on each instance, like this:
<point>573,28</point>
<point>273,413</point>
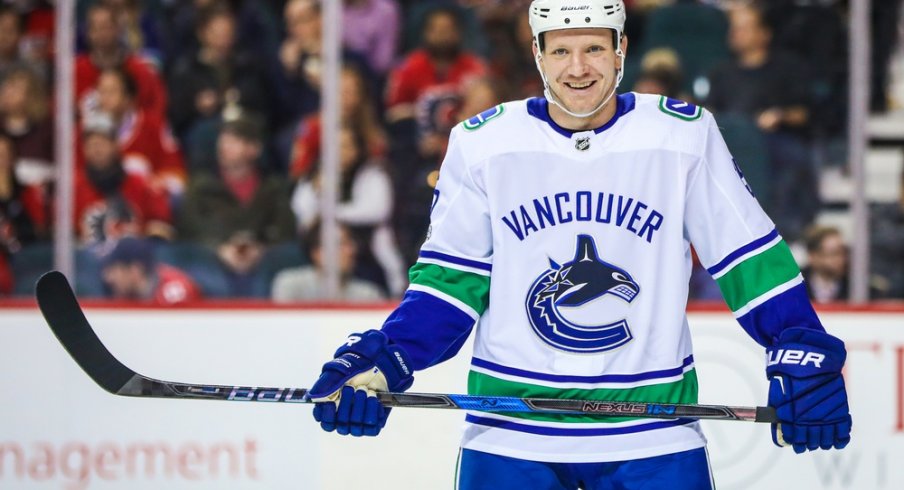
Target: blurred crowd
<point>197,148</point>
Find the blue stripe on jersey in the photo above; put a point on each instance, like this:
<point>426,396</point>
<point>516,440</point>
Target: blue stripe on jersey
<point>605,378</point>
<point>759,242</point>
<point>427,254</point>
<point>539,108</point>
<point>791,308</point>
<point>428,328</point>
<point>569,432</point>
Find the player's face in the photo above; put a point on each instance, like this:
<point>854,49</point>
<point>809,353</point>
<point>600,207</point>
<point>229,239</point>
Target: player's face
<point>580,66</point>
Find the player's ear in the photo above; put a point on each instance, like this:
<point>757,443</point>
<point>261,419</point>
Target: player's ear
<point>623,44</point>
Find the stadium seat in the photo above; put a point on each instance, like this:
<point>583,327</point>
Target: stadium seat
<point>698,33</point>
<point>28,264</point>
<point>34,260</point>
<point>198,262</point>
<point>278,257</point>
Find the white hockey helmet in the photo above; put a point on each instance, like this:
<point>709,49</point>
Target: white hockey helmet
<point>551,15</point>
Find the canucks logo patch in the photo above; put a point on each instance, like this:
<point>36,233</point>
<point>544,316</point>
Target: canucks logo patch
<point>476,122</point>
<point>680,109</point>
<point>580,282</point>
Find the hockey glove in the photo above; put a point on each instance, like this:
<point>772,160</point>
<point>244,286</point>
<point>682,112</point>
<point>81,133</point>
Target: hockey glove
<point>344,393</point>
<point>807,390</point>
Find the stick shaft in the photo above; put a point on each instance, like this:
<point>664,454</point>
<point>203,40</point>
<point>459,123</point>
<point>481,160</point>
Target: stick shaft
<point>65,317</point>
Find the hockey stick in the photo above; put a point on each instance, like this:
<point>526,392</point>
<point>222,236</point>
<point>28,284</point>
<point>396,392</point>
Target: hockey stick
<point>60,308</point>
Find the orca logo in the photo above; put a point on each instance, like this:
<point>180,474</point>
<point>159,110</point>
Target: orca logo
<point>584,279</point>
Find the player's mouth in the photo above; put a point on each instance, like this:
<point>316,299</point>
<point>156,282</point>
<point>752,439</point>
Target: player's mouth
<point>580,85</point>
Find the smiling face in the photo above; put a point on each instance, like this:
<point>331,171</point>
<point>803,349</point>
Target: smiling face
<point>581,67</point>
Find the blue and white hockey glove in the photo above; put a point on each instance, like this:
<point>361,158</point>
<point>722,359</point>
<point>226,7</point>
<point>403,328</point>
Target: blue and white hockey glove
<point>344,393</point>
<point>807,390</point>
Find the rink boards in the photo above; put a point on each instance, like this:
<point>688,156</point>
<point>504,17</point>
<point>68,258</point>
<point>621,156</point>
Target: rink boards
<point>60,431</point>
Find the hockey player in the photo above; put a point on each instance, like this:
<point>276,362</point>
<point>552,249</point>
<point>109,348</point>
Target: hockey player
<point>562,227</point>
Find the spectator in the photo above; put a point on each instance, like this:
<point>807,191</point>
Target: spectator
<point>772,88</point>
<point>511,64</point>
<point>886,34</point>
<point>434,123</point>
<point>660,73</point>
<point>306,283</point>
<point>365,206</point>
<point>237,212</point>
<point>131,273</point>
<point>145,140</point>
<point>110,203</point>
<point>23,213</point>
<point>300,62</point>
<point>36,44</point>
<point>24,117</point>
<point>439,65</point>
<point>887,246</point>
<point>356,109</point>
<point>370,28</point>
<point>415,179</point>
<point>826,273</point>
<point>257,27</point>
<point>217,81</point>
<point>10,35</point>
<point>141,28</point>
<point>105,50</point>
<point>10,39</point>
<point>816,32</point>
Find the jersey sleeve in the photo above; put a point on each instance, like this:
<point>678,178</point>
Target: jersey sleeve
<point>740,247</point>
<point>450,282</point>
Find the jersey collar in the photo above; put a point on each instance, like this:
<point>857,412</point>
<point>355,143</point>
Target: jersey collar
<point>539,108</point>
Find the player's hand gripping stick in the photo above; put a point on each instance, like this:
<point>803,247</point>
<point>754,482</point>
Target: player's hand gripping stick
<point>344,393</point>
<point>807,390</point>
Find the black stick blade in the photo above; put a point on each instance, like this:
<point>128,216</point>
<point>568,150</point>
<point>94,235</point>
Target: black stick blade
<point>64,315</point>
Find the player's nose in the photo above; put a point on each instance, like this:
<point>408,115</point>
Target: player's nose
<point>577,65</point>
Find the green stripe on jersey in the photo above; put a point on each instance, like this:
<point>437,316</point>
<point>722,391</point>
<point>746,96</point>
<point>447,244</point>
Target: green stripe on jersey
<point>757,275</point>
<point>467,287</point>
<point>681,391</point>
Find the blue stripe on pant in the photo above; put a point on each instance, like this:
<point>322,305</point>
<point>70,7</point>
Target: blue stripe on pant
<point>687,470</point>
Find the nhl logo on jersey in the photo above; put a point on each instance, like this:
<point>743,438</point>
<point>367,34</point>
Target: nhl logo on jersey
<point>582,144</point>
<point>583,279</point>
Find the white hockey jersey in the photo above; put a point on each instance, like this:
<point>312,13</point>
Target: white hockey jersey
<point>572,252</point>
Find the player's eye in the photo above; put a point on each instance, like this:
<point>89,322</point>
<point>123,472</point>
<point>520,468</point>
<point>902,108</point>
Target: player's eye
<point>560,52</point>
<point>595,49</point>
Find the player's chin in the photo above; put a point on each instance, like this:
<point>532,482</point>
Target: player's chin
<point>584,101</point>
<point>583,105</point>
